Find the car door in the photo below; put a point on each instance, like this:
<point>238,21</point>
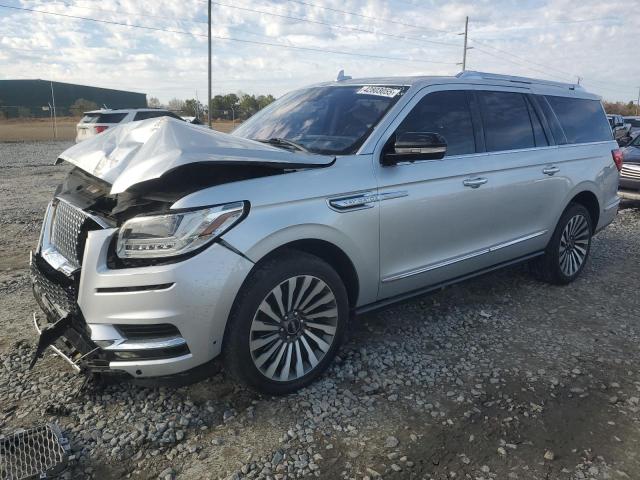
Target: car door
<point>444,219</point>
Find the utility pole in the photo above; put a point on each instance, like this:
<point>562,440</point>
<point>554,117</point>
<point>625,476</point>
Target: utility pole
<point>53,100</point>
<point>209,95</point>
<point>638,104</point>
<point>466,38</point>
<point>579,79</point>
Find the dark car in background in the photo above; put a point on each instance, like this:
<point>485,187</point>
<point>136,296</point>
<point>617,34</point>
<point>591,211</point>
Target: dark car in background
<point>630,173</point>
<point>633,126</point>
<point>619,129</point>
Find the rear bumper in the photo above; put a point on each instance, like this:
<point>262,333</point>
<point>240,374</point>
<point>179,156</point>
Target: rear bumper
<point>608,215</point>
<point>629,194</point>
<point>150,321</point>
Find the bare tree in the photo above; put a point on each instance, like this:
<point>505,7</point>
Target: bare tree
<point>153,102</point>
<point>175,105</point>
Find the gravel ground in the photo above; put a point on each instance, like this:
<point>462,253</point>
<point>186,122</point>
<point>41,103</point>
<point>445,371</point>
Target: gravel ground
<point>501,377</point>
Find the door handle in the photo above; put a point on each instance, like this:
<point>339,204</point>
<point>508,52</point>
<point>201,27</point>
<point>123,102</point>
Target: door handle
<point>475,182</point>
<point>550,170</point>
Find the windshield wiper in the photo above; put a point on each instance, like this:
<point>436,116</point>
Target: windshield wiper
<point>284,142</point>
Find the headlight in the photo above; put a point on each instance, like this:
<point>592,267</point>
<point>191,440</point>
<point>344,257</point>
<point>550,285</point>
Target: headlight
<point>177,233</point>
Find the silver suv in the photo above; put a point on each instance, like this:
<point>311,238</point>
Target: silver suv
<point>169,245</point>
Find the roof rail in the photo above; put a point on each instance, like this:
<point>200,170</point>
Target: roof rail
<point>471,75</point>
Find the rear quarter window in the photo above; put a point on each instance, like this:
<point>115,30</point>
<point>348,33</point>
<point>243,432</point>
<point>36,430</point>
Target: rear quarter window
<point>160,113</point>
<point>582,120</point>
<point>110,118</point>
<point>89,118</point>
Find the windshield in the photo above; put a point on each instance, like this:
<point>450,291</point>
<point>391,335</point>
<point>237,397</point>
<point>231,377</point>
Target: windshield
<point>327,120</point>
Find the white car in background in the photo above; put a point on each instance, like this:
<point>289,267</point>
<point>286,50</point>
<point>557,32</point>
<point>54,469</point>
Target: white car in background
<point>97,121</point>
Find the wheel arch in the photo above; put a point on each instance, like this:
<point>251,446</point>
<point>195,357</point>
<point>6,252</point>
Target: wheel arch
<point>328,252</point>
<point>589,200</point>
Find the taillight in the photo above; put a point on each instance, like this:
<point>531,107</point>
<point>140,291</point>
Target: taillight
<point>100,128</point>
<point>618,158</point>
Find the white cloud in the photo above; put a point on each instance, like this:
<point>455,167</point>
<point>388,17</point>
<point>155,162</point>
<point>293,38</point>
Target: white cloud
<point>540,38</point>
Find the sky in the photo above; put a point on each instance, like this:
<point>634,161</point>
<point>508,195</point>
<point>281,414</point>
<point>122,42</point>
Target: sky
<point>312,40</point>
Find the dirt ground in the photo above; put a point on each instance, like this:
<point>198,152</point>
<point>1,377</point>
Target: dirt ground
<point>32,129</point>
<point>501,377</point>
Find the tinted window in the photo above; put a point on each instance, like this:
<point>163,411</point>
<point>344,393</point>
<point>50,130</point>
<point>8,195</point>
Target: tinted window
<point>633,122</point>
<point>110,118</point>
<point>582,120</point>
<point>552,120</point>
<point>446,113</point>
<point>538,132</point>
<point>507,125</point>
<point>146,115</point>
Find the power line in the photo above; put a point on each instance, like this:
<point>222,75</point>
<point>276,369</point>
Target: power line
<point>288,17</point>
<point>564,72</point>
<point>520,58</point>
<point>220,37</point>
<point>355,14</point>
<point>564,79</point>
<point>332,25</point>
<point>163,17</point>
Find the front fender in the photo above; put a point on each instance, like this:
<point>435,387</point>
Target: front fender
<point>355,233</point>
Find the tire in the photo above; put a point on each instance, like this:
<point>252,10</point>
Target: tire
<point>568,250</point>
<point>277,343</point>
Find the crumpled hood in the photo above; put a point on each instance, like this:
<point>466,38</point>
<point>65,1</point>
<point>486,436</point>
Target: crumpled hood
<point>139,151</point>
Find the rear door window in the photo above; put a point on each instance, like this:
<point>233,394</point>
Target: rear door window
<point>446,113</point>
<point>552,119</point>
<point>582,120</point>
<point>506,121</point>
<point>538,131</point>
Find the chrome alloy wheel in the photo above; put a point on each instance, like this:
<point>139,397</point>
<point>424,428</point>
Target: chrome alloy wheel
<point>574,245</point>
<point>293,329</point>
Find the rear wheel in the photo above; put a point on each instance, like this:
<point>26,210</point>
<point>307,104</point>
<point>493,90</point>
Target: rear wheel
<point>568,249</point>
<point>287,323</point>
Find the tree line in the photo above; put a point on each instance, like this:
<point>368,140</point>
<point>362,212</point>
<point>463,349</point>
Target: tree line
<point>231,106</point>
<point>620,108</point>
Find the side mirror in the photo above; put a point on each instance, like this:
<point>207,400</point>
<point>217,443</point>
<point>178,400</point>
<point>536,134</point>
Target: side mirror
<point>414,146</point>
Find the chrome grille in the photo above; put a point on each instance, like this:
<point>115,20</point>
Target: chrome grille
<point>65,231</point>
<point>631,172</point>
<point>34,453</point>
<point>55,299</point>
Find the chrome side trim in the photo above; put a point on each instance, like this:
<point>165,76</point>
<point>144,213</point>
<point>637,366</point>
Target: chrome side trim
<point>392,195</point>
<point>150,344</point>
<point>353,202</point>
<point>451,261</point>
<point>362,200</point>
<point>107,332</point>
<point>146,363</point>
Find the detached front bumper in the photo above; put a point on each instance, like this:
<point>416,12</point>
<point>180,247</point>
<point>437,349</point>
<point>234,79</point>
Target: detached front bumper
<point>151,321</point>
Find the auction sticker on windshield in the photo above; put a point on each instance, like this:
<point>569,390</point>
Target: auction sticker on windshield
<point>379,91</point>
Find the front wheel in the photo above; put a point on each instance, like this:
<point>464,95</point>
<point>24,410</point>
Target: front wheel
<point>568,249</point>
<point>287,323</point>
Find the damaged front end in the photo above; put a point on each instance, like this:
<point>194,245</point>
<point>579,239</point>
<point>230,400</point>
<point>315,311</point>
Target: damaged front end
<point>106,313</point>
